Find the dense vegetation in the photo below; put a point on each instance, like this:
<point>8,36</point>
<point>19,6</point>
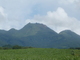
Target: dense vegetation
<point>6,47</point>
<point>40,36</point>
<point>40,54</point>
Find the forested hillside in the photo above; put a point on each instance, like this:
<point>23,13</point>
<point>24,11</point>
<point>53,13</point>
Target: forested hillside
<point>39,35</point>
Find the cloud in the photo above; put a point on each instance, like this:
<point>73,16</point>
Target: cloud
<point>68,1</point>
<point>58,20</point>
<point>78,4</point>
<point>3,19</point>
<point>2,14</point>
<point>13,13</point>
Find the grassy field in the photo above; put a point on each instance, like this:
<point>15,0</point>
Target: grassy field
<point>40,54</point>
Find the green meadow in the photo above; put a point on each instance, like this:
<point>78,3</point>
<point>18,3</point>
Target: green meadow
<point>40,54</point>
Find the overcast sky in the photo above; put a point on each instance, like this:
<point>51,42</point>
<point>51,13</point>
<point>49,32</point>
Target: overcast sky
<point>56,14</point>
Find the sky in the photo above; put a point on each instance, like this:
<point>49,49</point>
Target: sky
<point>59,15</point>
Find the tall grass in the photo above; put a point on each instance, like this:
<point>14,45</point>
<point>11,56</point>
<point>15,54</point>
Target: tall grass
<point>39,54</point>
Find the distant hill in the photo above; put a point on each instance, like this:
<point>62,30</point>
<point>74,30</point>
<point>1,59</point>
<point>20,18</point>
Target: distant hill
<point>71,38</point>
<point>39,35</point>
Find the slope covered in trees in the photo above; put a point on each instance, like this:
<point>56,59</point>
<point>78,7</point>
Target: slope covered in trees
<point>39,35</point>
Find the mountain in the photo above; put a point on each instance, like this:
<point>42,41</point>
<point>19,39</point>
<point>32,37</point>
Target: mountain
<point>71,38</point>
<point>31,29</point>
<point>36,35</point>
<point>39,35</point>
<point>7,39</point>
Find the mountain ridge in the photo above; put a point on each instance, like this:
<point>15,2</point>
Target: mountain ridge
<point>41,36</point>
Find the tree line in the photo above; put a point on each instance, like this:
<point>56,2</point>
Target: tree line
<point>75,48</point>
<point>13,47</point>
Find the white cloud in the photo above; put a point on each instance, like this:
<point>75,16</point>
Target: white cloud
<point>58,20</point>
<point>15,12</point>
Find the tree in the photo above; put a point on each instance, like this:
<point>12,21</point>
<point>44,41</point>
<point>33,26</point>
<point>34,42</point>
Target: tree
<point>16,47</point>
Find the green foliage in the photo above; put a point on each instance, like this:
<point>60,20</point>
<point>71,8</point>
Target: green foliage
<point>1,48</point>
<point>5,47</point>
<point>39,54</point>
<point>16,47</point>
